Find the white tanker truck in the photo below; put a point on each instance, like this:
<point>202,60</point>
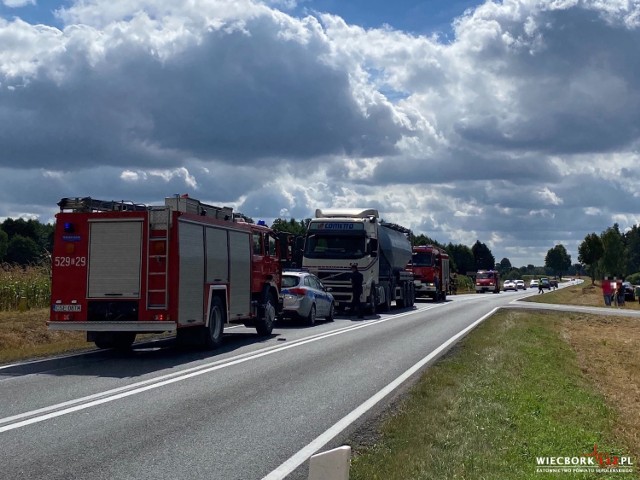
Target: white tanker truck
<point>338,238</point>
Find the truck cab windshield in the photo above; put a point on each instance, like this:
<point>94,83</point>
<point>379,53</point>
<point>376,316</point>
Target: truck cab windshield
<point>422,260</point>
<point>335,246</point>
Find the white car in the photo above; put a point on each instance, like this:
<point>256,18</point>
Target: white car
<point>520,284</point>
<point>509,285</point>
<point>533,283</point>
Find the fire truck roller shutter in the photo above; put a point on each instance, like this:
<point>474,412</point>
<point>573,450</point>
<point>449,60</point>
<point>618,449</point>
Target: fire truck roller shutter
<point>217,255</point>
<point>240,274</point>
<point>115,258</point>
<point>191,276</point>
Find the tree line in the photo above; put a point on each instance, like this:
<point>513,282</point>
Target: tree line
<point>612,254</point>
<point>465,259</point>
<point>29,242</point>
<point>25,242</point>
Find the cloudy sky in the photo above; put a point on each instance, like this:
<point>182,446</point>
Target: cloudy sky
<point>512,122</point>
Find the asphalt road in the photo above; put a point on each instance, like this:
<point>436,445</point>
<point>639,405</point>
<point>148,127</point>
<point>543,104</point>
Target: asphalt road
<point>250,410</point>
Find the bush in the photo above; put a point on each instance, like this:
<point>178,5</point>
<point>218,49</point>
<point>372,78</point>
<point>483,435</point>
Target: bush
<point>634,278</point>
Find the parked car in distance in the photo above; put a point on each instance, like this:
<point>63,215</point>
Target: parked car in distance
<point>533,283</point>
<point>544,281</point>
<point>520,284</point>
<point>305,297</point>
<point>629,292</point>
<point>509,285</point>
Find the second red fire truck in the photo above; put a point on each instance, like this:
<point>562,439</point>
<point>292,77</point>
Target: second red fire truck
<point>430,267</point>
<point>487,281</point>
<point>119,269</point>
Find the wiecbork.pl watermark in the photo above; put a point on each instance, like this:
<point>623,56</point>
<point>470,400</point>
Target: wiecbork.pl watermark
<point>593,462</point>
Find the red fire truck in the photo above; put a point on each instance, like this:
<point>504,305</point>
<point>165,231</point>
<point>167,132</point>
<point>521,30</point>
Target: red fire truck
<point>487,281</point>
<point>120,268</point>
<point>430,267</point>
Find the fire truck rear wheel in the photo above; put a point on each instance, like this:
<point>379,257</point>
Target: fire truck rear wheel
<point>117,340</point>
<point>213,333</point>
<point>264,325</point>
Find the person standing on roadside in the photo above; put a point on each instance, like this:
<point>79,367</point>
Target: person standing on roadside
<point>607,291</point>
<point>620,292</point>
<point>356,287</point>
<point>540,289</point>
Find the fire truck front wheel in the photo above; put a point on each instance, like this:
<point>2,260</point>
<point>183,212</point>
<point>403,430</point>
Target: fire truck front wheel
<point>213,332</point>
<point>264,324</point>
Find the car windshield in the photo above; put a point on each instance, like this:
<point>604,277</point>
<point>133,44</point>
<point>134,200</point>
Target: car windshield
<point>290,281</point>
<point>335,245</point>
<point>485,275</point>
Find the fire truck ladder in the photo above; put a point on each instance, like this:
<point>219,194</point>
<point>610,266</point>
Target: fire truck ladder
<point>158,251</point>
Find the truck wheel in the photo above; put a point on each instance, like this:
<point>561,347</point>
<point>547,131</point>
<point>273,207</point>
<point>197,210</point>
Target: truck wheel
<point>264,325</point>
<point>370,307</point>
<point>311,318</point>
<point>402,302</point>
<point>386,306</point>
<point>213,332</point>
<point>116,340</point>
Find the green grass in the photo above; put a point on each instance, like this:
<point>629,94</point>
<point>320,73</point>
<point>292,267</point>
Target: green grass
<point>584,294</point>
<point>510,392</point>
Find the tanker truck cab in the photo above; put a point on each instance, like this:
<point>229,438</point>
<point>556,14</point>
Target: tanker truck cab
<point>335,240</point>
<point>339,238</point>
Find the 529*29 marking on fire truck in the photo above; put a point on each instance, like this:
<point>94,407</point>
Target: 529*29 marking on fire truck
<point>70,261</point>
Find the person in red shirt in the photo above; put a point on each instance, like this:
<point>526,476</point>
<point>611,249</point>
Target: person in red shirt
<point>607,291</point>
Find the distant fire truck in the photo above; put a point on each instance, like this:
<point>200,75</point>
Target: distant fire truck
<point>430,267</point>
<point>120,268</point>
<point>487,281</point>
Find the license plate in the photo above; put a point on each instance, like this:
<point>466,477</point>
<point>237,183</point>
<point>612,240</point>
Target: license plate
<point>67,308</point>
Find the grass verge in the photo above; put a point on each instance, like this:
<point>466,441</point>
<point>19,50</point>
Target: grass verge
<point>24,335</point>
<point>584,294</point>
<point>512,391</point>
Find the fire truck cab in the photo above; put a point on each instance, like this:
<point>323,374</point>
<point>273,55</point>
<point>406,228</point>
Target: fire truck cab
<point>120,268</point>
<point>487,281</point>
<point>430,267</point>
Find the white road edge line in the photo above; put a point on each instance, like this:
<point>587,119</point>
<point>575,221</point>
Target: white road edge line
<point>302,455</point>
<point>83,403</point>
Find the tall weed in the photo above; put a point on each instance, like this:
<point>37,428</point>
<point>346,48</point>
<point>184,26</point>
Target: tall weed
<point>33,283</point>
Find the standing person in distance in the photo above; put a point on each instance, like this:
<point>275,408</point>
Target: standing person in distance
<point>607,291</point>
<point>540,289</point>
<point>356,286</point>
